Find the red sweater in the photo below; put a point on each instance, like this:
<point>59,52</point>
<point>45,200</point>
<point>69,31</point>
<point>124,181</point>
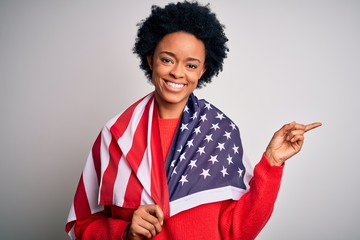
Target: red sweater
<point>242,219</point>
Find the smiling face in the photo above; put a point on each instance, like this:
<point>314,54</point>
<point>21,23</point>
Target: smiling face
<point>177,65</point>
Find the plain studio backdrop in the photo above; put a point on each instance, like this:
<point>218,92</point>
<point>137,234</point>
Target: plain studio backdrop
<point>66,67</point>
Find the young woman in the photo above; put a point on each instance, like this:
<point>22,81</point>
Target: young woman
<point>171,166</point>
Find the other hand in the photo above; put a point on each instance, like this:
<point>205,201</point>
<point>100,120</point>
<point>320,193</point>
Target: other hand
<point>287,141</point>
<point>146,222</point>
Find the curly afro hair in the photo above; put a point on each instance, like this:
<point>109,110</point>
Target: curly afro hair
<point>190,17</point>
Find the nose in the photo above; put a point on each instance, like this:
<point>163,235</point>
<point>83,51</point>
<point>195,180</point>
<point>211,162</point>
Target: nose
<point>176,71</point>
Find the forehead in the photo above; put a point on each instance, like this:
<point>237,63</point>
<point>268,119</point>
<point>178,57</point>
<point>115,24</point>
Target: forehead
<point>181,43</point>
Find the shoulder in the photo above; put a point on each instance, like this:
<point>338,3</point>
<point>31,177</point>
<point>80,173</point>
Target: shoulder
<point>118,124</point>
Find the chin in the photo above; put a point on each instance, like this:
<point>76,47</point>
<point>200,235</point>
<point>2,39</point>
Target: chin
<point>175,98</point>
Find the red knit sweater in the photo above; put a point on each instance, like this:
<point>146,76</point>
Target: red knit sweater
<point>242,219</point>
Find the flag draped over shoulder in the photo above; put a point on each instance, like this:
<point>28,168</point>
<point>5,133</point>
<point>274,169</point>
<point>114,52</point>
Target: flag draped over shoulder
<point>125,167</point>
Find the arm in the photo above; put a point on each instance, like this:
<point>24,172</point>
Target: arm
<point>127,224</point>
<point>100,226</point>
<point>246,217</point>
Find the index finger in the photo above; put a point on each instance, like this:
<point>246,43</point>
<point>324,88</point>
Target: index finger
<point>157,211</point>
<point>311,126</point>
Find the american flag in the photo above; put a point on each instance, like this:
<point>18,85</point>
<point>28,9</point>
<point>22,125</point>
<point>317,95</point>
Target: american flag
<point>206,162</point>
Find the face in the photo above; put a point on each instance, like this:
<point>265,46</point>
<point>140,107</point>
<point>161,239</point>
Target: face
<point>177,65</point>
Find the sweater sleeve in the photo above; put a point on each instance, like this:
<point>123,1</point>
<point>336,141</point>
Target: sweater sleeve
<point>100,226</point>
<point>246,217</point>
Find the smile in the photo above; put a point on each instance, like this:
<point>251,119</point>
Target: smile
<point>174,85</point>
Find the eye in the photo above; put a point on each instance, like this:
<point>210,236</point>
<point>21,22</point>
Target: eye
<point>192,66</point>
<point>166,60</point>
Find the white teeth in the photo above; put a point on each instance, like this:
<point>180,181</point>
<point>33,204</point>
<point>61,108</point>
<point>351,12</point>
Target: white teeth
<point>175,85</point>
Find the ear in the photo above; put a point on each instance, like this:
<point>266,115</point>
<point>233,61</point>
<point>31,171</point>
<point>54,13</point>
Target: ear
<point>150,61</point>
<point>203,71</point>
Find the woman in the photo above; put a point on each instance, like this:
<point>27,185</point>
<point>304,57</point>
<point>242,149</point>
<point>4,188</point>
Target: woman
<point>172,166</point>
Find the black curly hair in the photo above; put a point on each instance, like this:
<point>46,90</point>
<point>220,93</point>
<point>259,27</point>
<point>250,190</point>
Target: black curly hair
<point>190,17</point>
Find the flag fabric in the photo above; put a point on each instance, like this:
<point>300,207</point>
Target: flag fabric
<point>206,162</point>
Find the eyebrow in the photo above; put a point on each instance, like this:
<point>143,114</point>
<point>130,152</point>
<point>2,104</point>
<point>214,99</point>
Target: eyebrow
<point>174,55</point>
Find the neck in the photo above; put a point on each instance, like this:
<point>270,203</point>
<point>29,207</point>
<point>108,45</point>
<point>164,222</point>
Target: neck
<point>169,110</point>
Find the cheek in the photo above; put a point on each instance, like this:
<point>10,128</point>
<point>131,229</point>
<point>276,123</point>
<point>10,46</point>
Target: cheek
<point>154,74</point>
<point>157,76</point>
<point>159,71</point>
<point>194,77</point>
<point>193,82</point>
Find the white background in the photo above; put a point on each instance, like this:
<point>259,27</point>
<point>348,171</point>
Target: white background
<point>66,67</point>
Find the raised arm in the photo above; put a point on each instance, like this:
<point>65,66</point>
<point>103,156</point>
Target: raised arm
<point>246,217</point>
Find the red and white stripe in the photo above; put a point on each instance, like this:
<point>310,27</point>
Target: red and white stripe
<point>119,169</point>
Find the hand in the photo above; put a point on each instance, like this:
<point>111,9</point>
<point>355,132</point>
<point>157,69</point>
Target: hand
<point>146,222</point>
<point>287,141</point>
